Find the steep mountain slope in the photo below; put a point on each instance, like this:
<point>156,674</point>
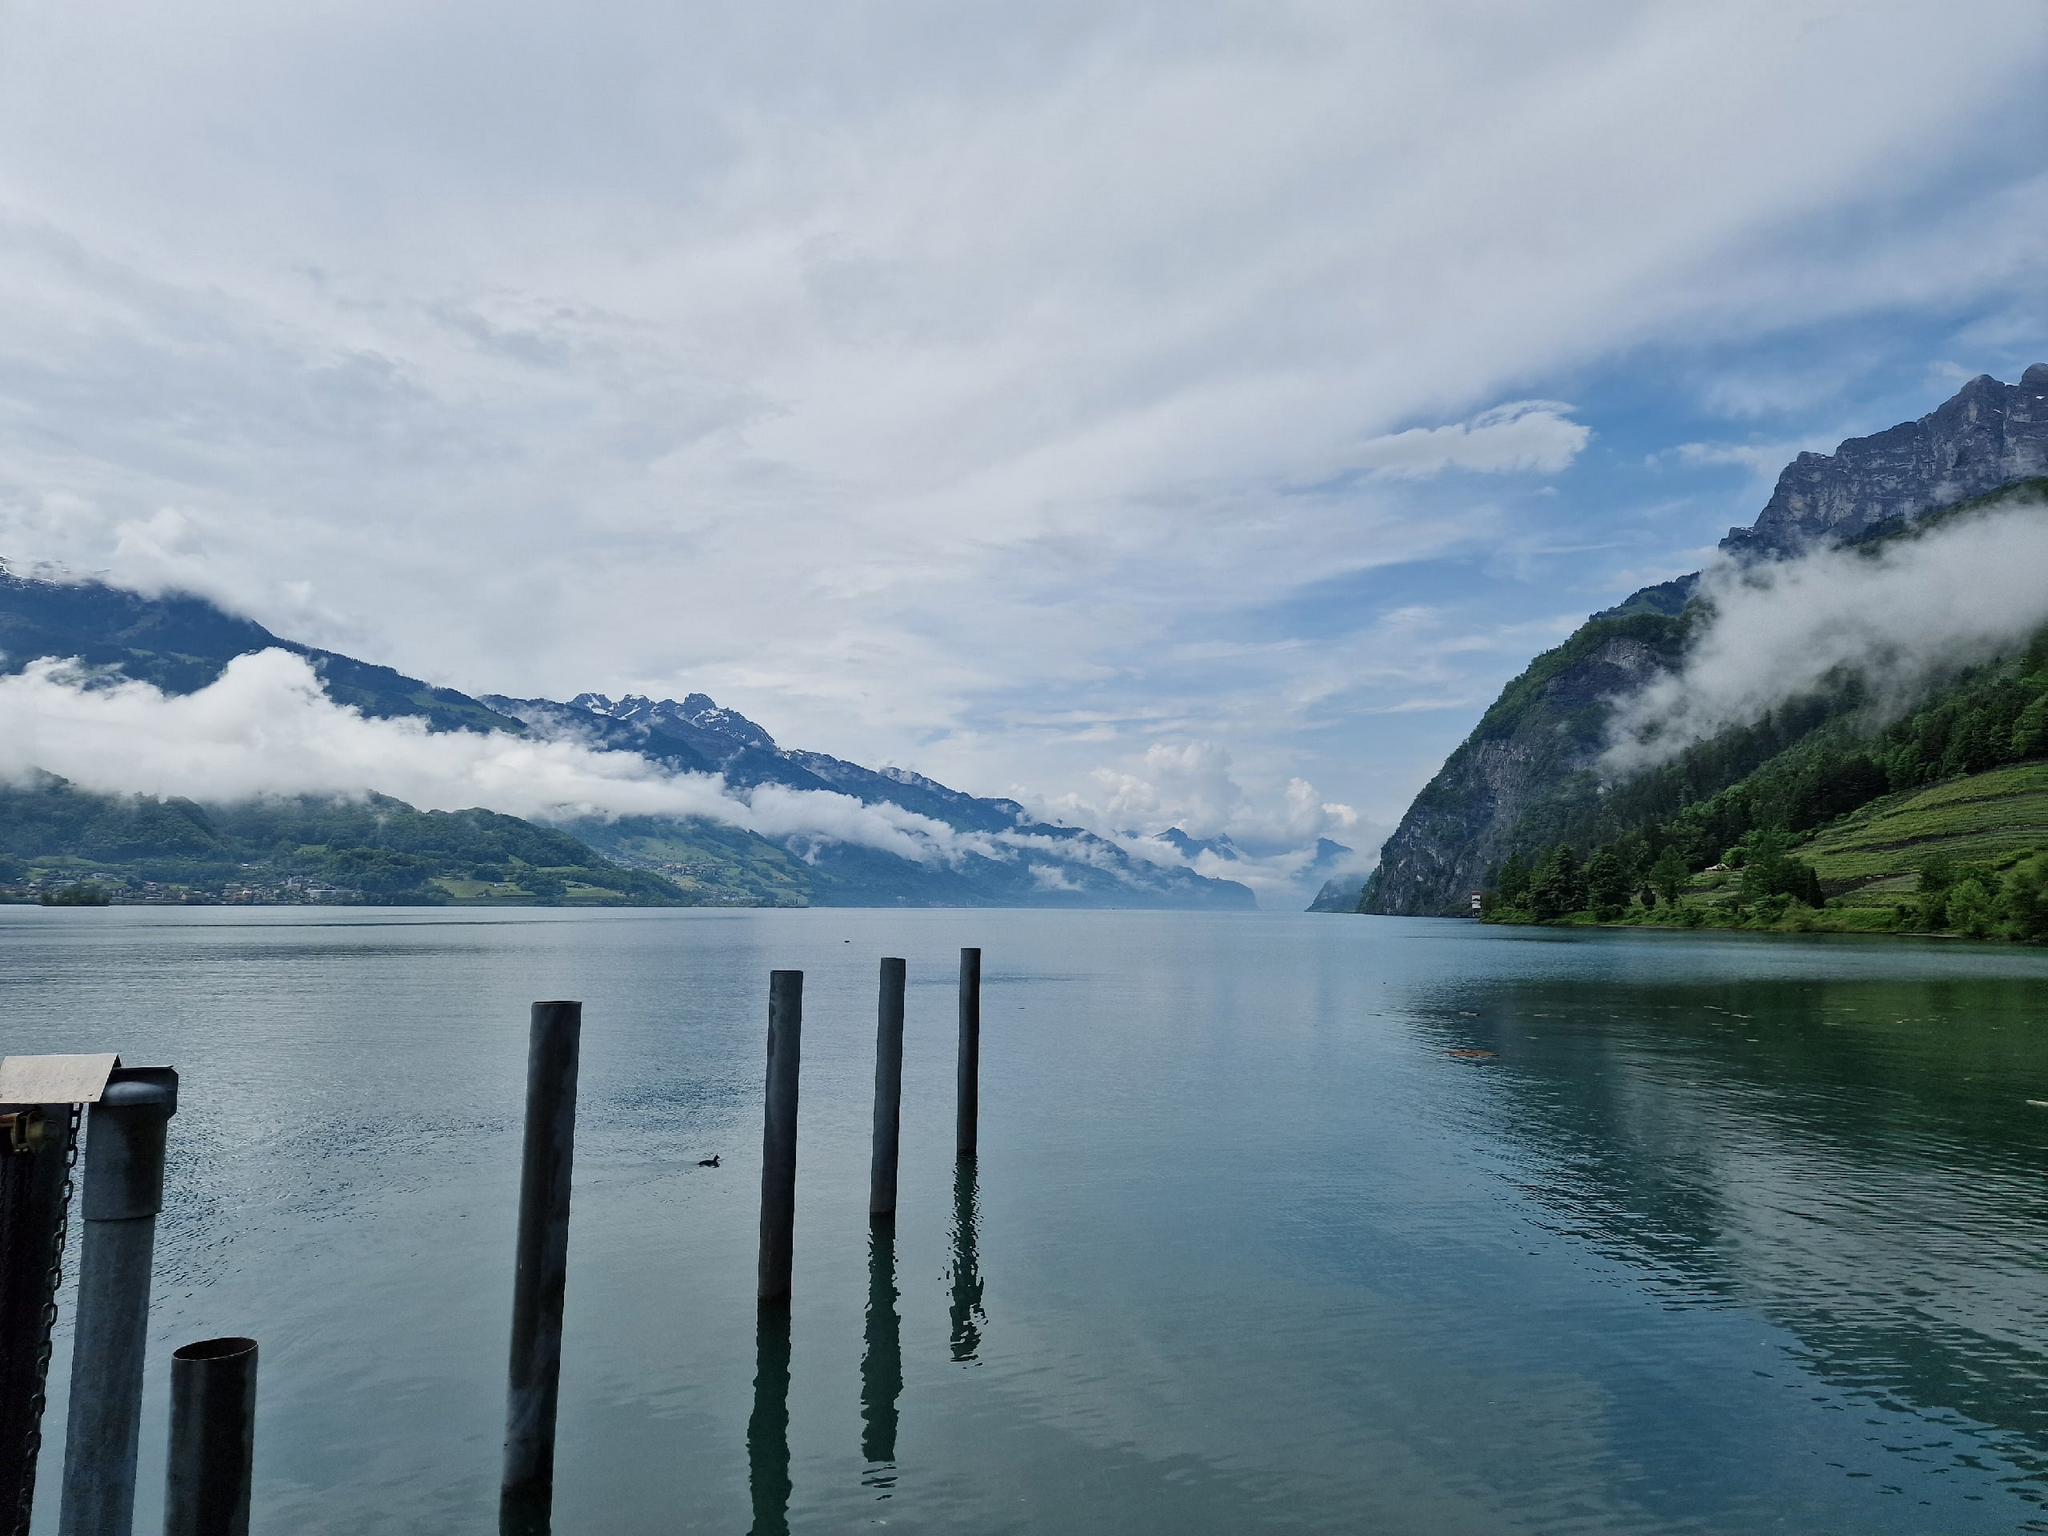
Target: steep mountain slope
<point>1546,727</point>
<point>1018,861</point>
<point>180,643</point>
<point>1990,434</point>
<point>1936,822</point>
<point>1522,779</point>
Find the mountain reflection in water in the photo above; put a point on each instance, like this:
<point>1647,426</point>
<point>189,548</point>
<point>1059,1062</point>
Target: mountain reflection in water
<point>1857,1161</point>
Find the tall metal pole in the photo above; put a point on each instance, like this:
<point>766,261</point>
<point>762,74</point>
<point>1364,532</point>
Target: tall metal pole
<point>778,1133</point>
<point>541,1274</point>
<point>124,1190</point>
<point>213,1438</point>
<point>969,1113</point>
<point>888,1092</point>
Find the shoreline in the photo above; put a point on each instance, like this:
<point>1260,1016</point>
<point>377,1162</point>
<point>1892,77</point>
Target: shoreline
<point>1796,921</point>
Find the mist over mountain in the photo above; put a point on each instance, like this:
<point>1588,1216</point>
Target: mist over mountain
<point>120,694</point>
<point>1871,575</point>
<point>1010,858</point>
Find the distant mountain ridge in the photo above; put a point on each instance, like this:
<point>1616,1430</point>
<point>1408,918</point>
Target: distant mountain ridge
<point>1516,780</point>
<point>181,643</point>
<point>1047,864</point>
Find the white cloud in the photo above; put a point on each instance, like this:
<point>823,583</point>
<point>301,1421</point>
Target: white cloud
<point>1898,616</point>
<point>1536,435</point>
<point>1763,460</point>
<point>264,727</point>
<point>1273,838</point>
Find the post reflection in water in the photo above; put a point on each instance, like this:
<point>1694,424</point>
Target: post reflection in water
<point>524,1516</point>
<point>768,1427</point>
<point>881,1365</point>
<point>965,1274</point>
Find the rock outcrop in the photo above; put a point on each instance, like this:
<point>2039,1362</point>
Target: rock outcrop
<point>1548,726</point>
<point>1989,435</point>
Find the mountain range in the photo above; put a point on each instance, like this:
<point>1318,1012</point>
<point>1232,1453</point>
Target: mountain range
<point>181,643</point>
<point>1525,778</point>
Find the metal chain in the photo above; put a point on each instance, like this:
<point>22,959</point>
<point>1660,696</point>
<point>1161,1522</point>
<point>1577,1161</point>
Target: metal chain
<point>46,1329</point>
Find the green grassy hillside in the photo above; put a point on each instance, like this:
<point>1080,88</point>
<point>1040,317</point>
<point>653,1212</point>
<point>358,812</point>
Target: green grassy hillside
<point>711,863</point>
<point>1875,855</point>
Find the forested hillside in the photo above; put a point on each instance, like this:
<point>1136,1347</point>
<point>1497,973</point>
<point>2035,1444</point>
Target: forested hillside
<point>1938,821</point>
<point>1527,776</point>
<point>57,839</point>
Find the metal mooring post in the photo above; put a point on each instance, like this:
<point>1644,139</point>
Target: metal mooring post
<point>213,1438</point>
<point>969,1114</point>
<point>888,1092</point>
<point>778,1133</point>
<point>541,1273</point>
<point>124,1190</point>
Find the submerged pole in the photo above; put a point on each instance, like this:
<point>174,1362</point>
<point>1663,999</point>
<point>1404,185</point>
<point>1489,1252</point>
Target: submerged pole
<point>124,1190</point>
<point>778,1133</point>
<point>541,1269</point>
<point>213,1438</point>
<point>888,1092</point>
<point>969,1112</point>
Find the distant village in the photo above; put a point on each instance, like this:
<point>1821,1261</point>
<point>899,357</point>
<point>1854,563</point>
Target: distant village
<point>69,888</point>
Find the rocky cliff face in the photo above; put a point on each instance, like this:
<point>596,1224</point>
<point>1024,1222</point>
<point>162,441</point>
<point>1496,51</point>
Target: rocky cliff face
<point>1989,435</point>
<point>1547,727</point>
<point>1540,738</point>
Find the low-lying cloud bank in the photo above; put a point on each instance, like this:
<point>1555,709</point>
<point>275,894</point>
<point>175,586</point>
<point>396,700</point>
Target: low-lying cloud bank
<point>264,727</point>
<point>1898,616</point>
<point>1274,848</point>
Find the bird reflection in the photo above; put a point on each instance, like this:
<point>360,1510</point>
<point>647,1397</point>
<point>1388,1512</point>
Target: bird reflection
<point>881,1367</point>
<point>967,1315</point>
<point>768,1428</point>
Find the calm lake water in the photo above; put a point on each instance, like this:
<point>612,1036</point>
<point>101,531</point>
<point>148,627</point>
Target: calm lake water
<point>1737,1233</point>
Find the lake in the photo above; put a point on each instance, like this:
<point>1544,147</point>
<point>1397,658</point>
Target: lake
<point>1730,1233</point>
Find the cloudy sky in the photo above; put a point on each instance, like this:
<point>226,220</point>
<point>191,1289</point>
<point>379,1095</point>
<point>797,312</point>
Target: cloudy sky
<point>1159,412</point>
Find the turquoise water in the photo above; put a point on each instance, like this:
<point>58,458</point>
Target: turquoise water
<point>1730,1234</point>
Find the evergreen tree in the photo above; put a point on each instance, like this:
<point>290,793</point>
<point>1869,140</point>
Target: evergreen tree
<point>1607,883</point>
<point>1513,884</point>
<point>1770,870</point>
<point>1558,885</point>
<point>1668,876</point>
<point>2030,730</point>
